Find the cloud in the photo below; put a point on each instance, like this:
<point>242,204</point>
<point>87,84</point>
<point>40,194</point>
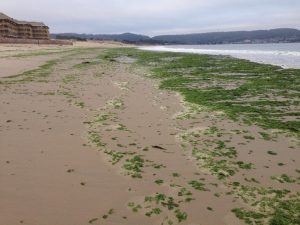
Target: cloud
<point>156,16</point>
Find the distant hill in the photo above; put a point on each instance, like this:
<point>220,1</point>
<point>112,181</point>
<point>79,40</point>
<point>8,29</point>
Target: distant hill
<point>258,36</point>
<point>282,35</point>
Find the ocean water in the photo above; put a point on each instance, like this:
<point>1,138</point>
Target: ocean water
<point>286,55</point>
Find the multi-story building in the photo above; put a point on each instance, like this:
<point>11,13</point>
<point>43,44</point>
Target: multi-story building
<point>11,28</point>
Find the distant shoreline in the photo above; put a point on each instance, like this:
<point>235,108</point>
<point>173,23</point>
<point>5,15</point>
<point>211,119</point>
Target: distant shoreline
<point>281,35</point>
<point>286,55</point>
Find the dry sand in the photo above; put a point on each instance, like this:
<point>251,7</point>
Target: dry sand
<point>51,173</point>
<point>17,58</point>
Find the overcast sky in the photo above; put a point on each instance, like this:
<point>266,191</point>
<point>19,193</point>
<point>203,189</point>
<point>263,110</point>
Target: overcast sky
<point>153,17</point>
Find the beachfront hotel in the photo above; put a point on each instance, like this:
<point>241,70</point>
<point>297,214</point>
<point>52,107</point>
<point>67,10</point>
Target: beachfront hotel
<point>12,28</point>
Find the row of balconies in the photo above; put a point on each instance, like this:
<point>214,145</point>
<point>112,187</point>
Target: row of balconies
<point>23,30</point>
<point>22,35</point>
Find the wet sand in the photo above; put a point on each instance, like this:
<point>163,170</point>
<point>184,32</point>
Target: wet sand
<point>52,172</point>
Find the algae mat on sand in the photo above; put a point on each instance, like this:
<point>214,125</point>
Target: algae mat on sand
<point>250,94</point>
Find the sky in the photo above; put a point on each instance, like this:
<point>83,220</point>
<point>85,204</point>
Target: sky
<point>155,17</point>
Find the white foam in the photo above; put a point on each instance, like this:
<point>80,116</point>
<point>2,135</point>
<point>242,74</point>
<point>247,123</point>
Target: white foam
<point>220,51</point>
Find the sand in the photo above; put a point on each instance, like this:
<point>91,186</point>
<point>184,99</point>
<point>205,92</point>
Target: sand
<point>17,58</point>
<point>51,172</point>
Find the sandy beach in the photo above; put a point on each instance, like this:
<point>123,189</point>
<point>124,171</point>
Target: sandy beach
<point>85,140</point>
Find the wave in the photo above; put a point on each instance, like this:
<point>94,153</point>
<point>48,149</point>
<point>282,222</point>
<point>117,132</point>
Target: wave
<point>221,51</point>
